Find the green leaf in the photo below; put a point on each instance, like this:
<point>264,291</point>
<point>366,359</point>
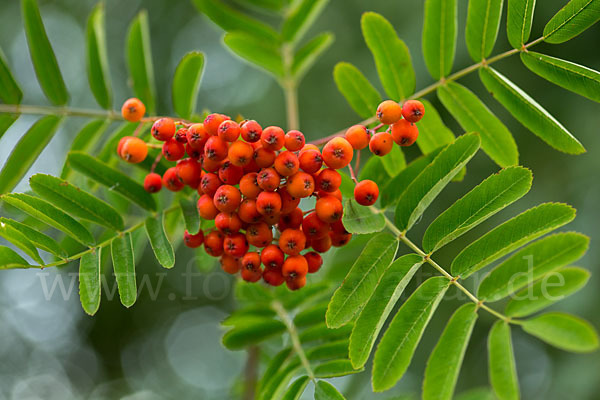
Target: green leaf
<point>531,263</point>
<point>492,195</point>
<point>511,235</point>
<point>76,201</point>
<point>42,55</point>
<point>10,259</point>
<point>274,365</point>
<point>97,57</point>
<point>362,279</point>
<point>483,22</point>
<point>518,21</point>
<point>26,151</point>
<point>326,391</point>
<point>190,215</point>
<point>109,149</point>
<point>391,55</point>
<point>253,331</point>
<point>335,368</point>
<point>373,316</point>
<point>159,242</point>
<point>267,6</point>
<point>296,389</point>
<point>358,91</point>
<point>40,240</point>
<point>112,179</point>
<point>90,281</point>
<point>139,61</point>
<point>433,133</point>
<point>84,141</point>
<point>257,51</point>
<point>347,186</point>
<point>186,83</point>
<point>338,349</point>
<point>474,116</point>
<point>10,92</point>
<point>433,179</point>
<point>373,170</point>
<point>564,331</point>
<point>480,393</point>
<point>547,291</point>
<point>322,333</point>
<point>300,18</point>
<point>446,358</point>
<point>391,189</point>
<point>574,18</point>
<point>360,219</point>
<point>439,36</point>
<point>6,120</point>
<point>394,161</point>
<point>21,241</point>
<point>501,361</point>
<point>274,389</point>
<point>46,212</point>
<point>311,315</point>
<point>124,268</point>
<point>576,78</point>
<point>307,55</point>
<point>232,20</point>
<point>398,344</point>
<point>529,113</point>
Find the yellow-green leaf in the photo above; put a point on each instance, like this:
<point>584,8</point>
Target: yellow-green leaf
<point>358,91</point>
<point>574,18</point>
<point>90,281</point>
<point>124,268</point>
<point>518,21</point>
<point>501,361</point>
<point>10,92</point>
<point>186,83</point>
<point>439,36</point>
<point>483,22</point>
<point>139,61</point>
<point>97,57</point>
<point>564,331</point>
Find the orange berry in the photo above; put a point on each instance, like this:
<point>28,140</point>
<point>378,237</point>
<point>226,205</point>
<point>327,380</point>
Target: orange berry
<point>193,241</point>
<point>230,264</point>
<point>337,153</point>
<point>292,241</point>
<point>389,112</point>
<point>171,180</point>
<point>292,220</point>
<point>358,136</point>
<point>294,140</point>
<point>272,257</point>
<point>188,171</point>
<point>133,109</point>
<point>259,234</point>
<point>197,136</point>
<point>264,158</point>
<point>248,211</point>
<point>193,153</point>
<point>272,219</point>
<point>209,184</point>
<point>268,179</point>
<point>286,163</point>
<point>230,174</point>
<point>215,149</point>
<point>173,150</point>
<point>152,183</point>
<point>251,131</point>
<point>313,227</point>
<point>296,283</point>
<point>381,144</point>
<point>294,266</point>
<point>329,209</point>
<point>212,123</point>
<point>181,136</point>
<point>249,185</point>
<point>328,180</point>
<point>240,153</point>
<point>227,198</point>
<point>322,245</point>
<point>288,202</point>
<point>228,223</point>
<point>163,129</point>
<point>251,271</point>
<point>314,260</point>
<point>235,244</point>
<point>229,131</point>
<point>134,150</point>
<point>366,192</point>
<point>206,207</point>
<point>213,243</point>
<point>340,239</point>
<point>310,160</point>
<point>404,133</point>
<point>268,203</point>
<point>413,110</point>
<point>272,138</point>
<point>301,185</point>
<point>211,165</point>
<point>273,276</point>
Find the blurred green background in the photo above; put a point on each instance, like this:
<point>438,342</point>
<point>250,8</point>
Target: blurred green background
<point>169,347</point>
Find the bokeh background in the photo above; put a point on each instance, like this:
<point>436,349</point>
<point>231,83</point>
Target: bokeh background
<point>168,344</point>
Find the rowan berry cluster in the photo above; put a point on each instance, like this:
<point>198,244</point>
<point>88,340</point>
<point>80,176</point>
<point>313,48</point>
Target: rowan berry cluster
<point>251,180</point>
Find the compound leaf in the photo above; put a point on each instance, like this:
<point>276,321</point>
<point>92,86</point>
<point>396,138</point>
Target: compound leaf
<point>40,240</point>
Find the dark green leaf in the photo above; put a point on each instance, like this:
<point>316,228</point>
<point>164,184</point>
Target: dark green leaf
<point>360,219</point>
<point>274,365</point>
<point>267,6</point>
<point>159,242</point>
<point>10,92</point>
<point>42,55</point>
<point>518,21</point>
<point>358,91</point>
<point>190,215</point>
<point>300,18</point>
<point>531,263</point>
<point>335,368</point>
<point>257,51</point>
<point>528,112</point>
<point>46,212</point>
<point>576,78</point>
<point>547,291</point>
<point>254,331</point>
<point>97,57</point>
<point>76,201</point>
<point>391,55</point>
<point>394,161</point>
<point>90,281</point>
<point>433,179</point>
<point>232,20</point>
<point>326,351</point>
<point>311,315</point>
<point>501,362</point>
<point>111,178</point>
<point>380,305</point>
<point>574,18</point>
<point>186,83</point>
<point>474,116</point>
<point>139,61</point>
<point>362,279</point>
<point>6,120</point>
<point>485,200</point>
<point>26,151</point>
<point>40,240</point>
<point>446,358</point>
<point>564,331</point>
<point>296,388</point>
<point>433,133</point>
<point>124,268</point>
<point>439,36</point>
<point>85,140</point>
<point>21,241</point>
<point>307,55</point>
<point>10,259</point>
<point>483,22</point>
<point>511,235</point>
<point>275,387</point>
<point>398,344</point>
<point>326,391</point>
<point>322,333</point>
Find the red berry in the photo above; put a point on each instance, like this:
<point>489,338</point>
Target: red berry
<point>173,150</point>
<point>337,153</point>
<point>163,129</point>
<point>171,180</point>
<point>212,123</point>
<point>366,193</point>
<point>314,260</point>
<point>251,131</point>
<point>229,131</point>
<point>404,133</point>
<point>413,110</point>
<point>153,183</point>
<point>294,140</point>
<point>272,138</point>
<point>227,198</point>
<point>193,241</point>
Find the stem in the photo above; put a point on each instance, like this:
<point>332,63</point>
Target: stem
<point>293,332</point>
<point>290,89</point>
<point>63,111</point>
<point>453,280</point>
<point>251,373</point>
